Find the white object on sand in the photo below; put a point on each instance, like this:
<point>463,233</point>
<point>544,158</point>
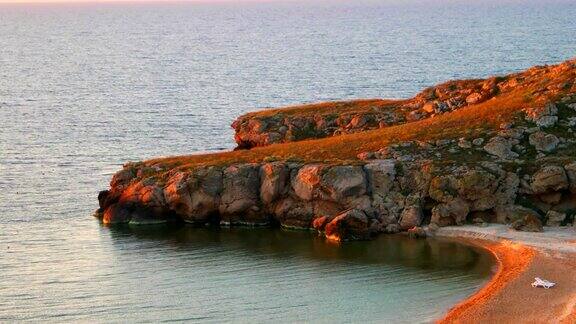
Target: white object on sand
<point>542,283</point>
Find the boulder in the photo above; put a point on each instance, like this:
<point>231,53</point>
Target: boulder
<point>453,212</point>
<point>116,214</point>
<point>306,182</point>
<point>350,225</point>
<point>551,198</point>
<point>546,121</point>
<point>339,182</point>
<point>501,148</point>
<point>105,199</point>
<point>476,185</point>
<point>507,190</point>
<point>392,228</point>
<point>549,178</point>
<point>528,223</point>
<point>430,107</point>
<point>474,98</point>
<point>411,217</point>
<point>543,142</point>
<point>320,223</point>
<point>177,195</point>
<point>478,141</point>
<point>292,213</point>
<point>536,113</point>
<point>555,218</point>
<point>443,188</point>
<point>274,178</point>
<point>194,196</point>
<point>239,203</point>
<point>571,173</point>
<point>511,213</point>
<point>417,232</point>
<point>146,194</point>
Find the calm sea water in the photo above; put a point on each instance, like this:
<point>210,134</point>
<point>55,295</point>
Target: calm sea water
<point>84,88</point>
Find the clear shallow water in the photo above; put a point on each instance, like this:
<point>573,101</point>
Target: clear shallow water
<point>84,88</point>
<point>246,275</point>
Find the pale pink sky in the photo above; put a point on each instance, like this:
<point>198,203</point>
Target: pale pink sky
<point>51,1</point>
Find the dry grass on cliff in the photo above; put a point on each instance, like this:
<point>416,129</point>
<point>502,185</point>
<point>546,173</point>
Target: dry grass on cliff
<point>467,122</point>
<point>537,86</point>
<point>333,107</point>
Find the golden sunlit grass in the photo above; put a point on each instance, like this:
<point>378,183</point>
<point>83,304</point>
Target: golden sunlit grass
<point>536,87</point>
<point>334,107</point>
<point>468,121</point>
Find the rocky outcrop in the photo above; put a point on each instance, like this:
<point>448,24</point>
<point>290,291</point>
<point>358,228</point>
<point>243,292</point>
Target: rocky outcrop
<point>520,173</point>
<point>549,179</point>
<point>255,129</point>
<point>345,202</point>
<point>297,123</point>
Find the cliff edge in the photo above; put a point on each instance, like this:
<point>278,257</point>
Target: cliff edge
<point>500,150</point>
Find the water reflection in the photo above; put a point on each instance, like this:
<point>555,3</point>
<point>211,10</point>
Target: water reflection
<point>399,250</point>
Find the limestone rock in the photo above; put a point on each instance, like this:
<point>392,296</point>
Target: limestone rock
<point>105,199</point>
<point>320,223</point>
<point>380,176</point>
<point>500,147</point>
<point>274,179</point>
<point>339,182</point>
<point>240,197</point>
<point>551,198</point>
<point>528,223</point>
<point>124,176</point>
<point>549,178</point>
<point>147,194</point>
<point>474,98</point>
<point>546,121</point>
<point>177,195</point>
<point>392,228</point>
<point>116,214</point>
<point>536,113</point>
<point>411,217</point>
<point>350,225</point>
<point>443,188</point>
<point>478,141</point>
<point>194,196</point>
<point>511,213</point>
<point>453,212</point>
<point>293,213</point>
<point>571,173</point>
<point>543,142</point>
<point>475,185</point>
<point>306,183</point>
<point>555,218</point>
<point>417,232</point>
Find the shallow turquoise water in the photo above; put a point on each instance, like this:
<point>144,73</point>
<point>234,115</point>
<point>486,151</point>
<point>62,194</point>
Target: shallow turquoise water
<point>85,88</point>
<point>233,275</point>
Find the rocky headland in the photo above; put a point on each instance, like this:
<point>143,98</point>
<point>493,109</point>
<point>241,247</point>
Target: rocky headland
<point>499,150</point>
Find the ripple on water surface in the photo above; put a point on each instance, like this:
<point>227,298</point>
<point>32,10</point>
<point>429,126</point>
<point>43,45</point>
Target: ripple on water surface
<point>260,275</point>
<point>85,88</point>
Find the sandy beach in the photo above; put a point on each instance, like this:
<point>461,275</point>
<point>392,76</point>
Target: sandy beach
<point>509,297</point>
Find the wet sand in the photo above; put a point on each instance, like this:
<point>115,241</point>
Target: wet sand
<point>509,297</point>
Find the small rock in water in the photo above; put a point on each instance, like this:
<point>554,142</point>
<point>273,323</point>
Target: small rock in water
<point>416,232</point>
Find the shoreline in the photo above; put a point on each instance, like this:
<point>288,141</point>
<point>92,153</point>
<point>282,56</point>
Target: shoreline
<point>508,295</point>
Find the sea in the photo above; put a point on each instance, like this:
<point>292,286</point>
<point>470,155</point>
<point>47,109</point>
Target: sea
<point>86,87</point>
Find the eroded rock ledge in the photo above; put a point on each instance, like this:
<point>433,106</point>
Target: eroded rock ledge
<point>346,202</point>
<point>521,173</point>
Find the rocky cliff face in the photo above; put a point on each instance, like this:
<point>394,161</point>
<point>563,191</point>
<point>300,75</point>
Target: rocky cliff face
<point>346,201</point>
<point>522,173</point>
